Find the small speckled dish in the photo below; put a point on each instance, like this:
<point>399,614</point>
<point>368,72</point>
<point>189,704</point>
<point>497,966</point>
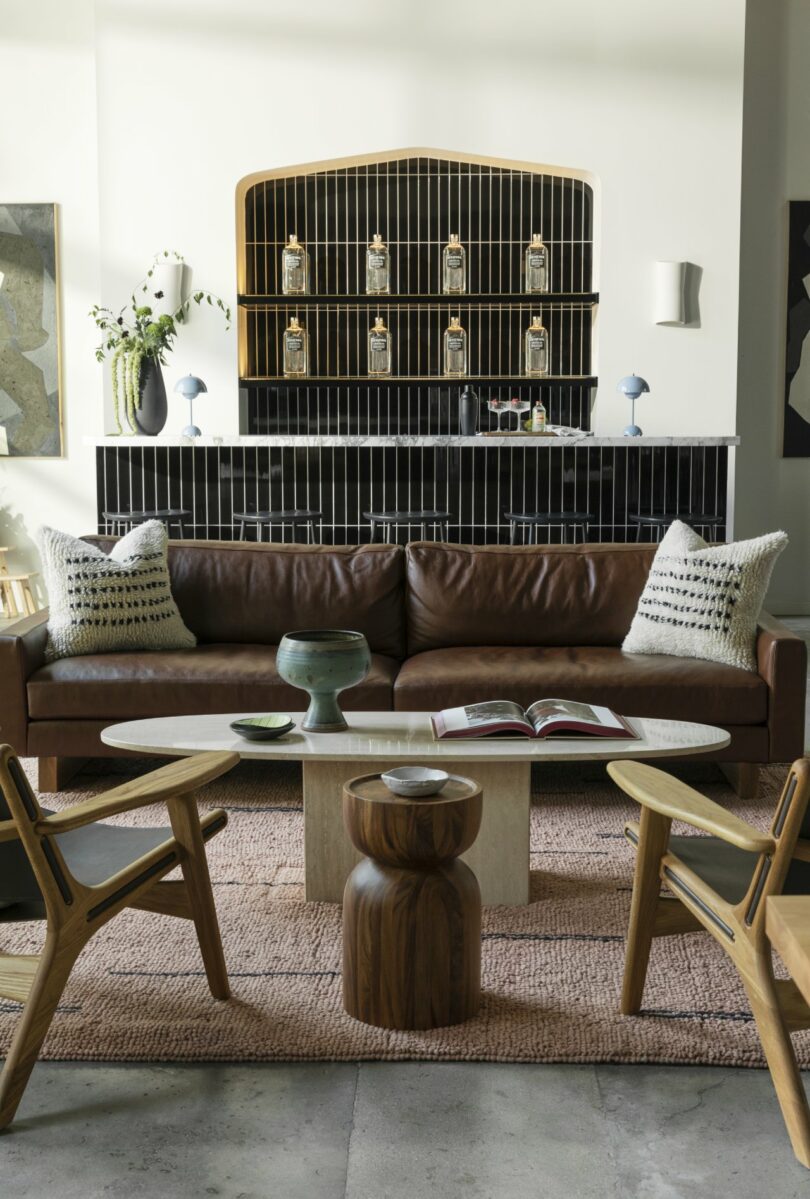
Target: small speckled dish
<point>415,782</point>
<point>263,728</point>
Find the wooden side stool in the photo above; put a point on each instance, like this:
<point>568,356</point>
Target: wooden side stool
<point>411,910</point>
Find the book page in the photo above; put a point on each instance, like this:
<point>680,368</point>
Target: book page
<point>544,711</point>
<point>475,716</point>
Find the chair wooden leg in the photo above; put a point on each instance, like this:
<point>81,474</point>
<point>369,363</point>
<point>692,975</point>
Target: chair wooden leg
<point>653,840</point>
<point>55,965</point>
<point>780,1056</point>
<point>185,823</point>
<point>743,777</point>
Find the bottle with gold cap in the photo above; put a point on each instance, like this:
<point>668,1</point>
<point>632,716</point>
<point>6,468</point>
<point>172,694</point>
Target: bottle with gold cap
<point>455,349</point>
<point>294,268</point>
<point>454,267</point>
<point>536,272</point>
<point>296,350</point>
<point>378,267</point>
<point>379,349</point>
<point>536,349</point>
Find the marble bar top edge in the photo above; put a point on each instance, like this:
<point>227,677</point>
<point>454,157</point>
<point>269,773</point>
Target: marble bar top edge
<point>402,440</point>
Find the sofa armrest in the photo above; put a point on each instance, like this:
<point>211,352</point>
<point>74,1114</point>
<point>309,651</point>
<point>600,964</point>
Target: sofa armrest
<point>22,651</point>
<point>782,663</point>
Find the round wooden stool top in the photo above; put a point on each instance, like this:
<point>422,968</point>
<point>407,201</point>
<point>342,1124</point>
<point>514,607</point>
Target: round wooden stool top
<point>411,909</point>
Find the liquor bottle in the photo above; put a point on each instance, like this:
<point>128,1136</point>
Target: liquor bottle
<point>454,267</point>
<point>378,268</point>
<point>296,349</point>
<point>455,349</point>
<point>539,417</point>
<point>379,348</point>
<point>536,349</point>
<point>294,268</point>
<point>536,272</point>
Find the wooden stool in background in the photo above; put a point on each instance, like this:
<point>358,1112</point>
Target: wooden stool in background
<point>16,596</point>
<point>411,910</point>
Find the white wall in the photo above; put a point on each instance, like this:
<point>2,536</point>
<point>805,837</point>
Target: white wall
<point>48,152</point>
<point>194,94</point>
<point>647,96</point>
<point>772,492</point>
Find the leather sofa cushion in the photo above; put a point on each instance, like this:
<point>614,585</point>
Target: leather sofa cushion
<point>635,684</point>
<point>532,595</point>
<point>253,593</point>
<point>210,678</point>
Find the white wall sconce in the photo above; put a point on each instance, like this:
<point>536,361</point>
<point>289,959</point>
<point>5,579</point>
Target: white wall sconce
<point>167,278</point>
<point>669,293</point>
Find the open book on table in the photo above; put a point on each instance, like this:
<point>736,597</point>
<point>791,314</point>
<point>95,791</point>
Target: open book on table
<point>545,718</point>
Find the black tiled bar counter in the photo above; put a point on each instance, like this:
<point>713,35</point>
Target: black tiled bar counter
<point>475,479</point>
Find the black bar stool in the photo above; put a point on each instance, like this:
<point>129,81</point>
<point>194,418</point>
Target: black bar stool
<point>659,522</point>
<point>285,516</point>
<point>422,517</point>
<point>568,522</point>
<point>119,523</point>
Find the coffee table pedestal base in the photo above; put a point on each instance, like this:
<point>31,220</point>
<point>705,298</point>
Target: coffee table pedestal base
<point>499,858</point>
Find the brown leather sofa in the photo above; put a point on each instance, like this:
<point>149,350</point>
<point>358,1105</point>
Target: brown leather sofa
<point>446,625</point>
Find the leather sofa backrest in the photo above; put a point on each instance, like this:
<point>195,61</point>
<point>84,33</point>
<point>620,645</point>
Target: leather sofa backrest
<point>533,595</point>
<point>255,593</point>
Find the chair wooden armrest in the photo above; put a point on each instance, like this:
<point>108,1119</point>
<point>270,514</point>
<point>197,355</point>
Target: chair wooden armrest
<point>670,797</point>
<point>165,783</point>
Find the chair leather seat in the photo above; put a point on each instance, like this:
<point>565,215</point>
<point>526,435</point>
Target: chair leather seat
<point>654,685</point>
<point>208,678</point>
<point>92,855</point>
<point>729,870</point>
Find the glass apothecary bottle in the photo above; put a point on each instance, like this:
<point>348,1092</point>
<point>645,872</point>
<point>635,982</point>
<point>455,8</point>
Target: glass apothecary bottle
<point>454,267</point>
<point>536,272</point>
<point>294,268</point>
<point>455,349</point>
<point>379,349</point>
<point>378,267</point>
<point>536,349</point>
<point>296,350</point>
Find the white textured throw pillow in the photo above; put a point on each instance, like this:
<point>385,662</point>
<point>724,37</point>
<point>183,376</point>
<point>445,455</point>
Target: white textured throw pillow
<point>100,603</point>
<point>703,601</point>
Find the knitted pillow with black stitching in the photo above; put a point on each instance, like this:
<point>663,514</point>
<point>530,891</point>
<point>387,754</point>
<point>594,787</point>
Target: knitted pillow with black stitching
<point>703,601</point>
<point>118,601</point>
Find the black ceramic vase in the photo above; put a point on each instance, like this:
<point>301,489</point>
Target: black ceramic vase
<point>468,406</point>
<point>153,408</point>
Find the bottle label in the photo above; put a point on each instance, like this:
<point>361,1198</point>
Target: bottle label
<point>379,342</point>
<point>537,259</point>
<point>537,342</point>
<point>455,343</point>
<point>376,260</point>
<point>294,259</point>
<point>455,260</point>
<point>295,343</point>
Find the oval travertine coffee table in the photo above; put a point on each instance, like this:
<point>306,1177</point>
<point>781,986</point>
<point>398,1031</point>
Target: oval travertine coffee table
<point>377,740</point>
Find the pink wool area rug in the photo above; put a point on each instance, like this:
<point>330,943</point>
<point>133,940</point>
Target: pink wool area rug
<point>551,970</point>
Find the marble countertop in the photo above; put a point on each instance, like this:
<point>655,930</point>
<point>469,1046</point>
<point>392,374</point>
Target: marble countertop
<point>406,440</point>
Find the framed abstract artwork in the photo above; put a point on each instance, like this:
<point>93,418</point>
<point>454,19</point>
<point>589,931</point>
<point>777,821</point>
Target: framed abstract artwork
<point>30,379</point>
<point>796,437</point>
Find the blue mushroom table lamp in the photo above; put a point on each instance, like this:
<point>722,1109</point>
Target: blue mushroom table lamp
<point>190,386</point>
<point>632,386</point>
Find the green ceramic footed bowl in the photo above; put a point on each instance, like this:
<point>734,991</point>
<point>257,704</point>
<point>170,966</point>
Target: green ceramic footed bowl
<point>323,662</point>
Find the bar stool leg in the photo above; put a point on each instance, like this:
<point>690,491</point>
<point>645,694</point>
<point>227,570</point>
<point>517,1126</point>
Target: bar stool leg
<point>445,529</point>
<point>241,530</point>
<point>181,522</point>
<point>423,530</point>
<point>512,531</point>
<point>310,532</point>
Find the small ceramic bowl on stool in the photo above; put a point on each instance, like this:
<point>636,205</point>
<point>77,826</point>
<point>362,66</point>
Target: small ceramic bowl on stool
<point>415,782</point>
<point>323,662</point>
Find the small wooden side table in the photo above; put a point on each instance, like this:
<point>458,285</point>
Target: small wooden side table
<point>411,910</point>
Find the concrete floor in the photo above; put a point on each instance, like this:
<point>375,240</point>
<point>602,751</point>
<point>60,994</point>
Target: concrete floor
<point>381,1130</point>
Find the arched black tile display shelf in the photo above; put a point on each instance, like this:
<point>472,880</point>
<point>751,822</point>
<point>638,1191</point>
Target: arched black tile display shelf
<point>415,199</point>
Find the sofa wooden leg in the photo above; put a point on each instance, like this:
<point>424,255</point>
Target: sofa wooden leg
<point>743,777</point>
<point>56,773</point>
